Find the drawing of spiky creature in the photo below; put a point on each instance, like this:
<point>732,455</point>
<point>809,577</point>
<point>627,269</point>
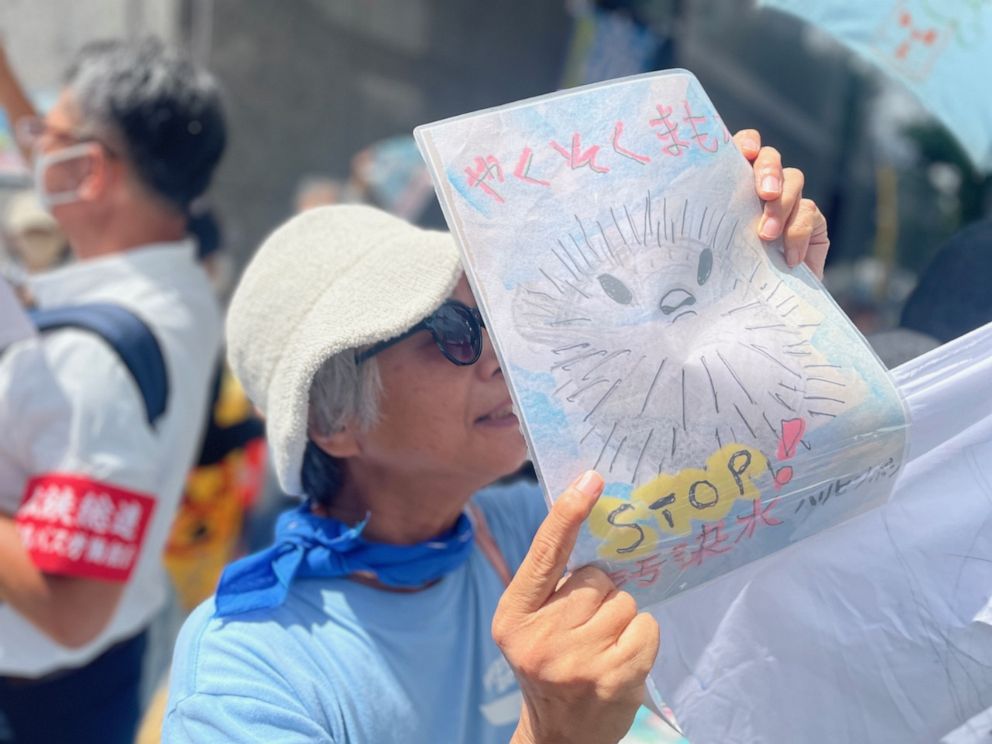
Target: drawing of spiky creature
<point>669,336</point>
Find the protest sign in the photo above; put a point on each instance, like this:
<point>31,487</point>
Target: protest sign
<point>609,234</point>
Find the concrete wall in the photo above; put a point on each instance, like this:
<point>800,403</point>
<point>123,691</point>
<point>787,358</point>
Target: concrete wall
<point>42,35</point>
<point>310,82</point>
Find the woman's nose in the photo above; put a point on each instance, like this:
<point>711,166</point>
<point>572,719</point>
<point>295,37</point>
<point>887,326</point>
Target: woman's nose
<point>488,364</point>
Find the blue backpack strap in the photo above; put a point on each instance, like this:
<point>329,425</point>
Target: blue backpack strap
<point>130,338</point>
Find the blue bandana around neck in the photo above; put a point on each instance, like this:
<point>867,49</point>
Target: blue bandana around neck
<point>307,547</point>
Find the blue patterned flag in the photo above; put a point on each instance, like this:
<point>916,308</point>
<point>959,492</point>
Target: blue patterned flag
<point>942,52</point>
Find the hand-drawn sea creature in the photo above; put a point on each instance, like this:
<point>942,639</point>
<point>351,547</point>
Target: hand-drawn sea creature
<point>669,335</point>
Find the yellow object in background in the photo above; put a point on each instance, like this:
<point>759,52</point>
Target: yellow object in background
<point>207,529</point>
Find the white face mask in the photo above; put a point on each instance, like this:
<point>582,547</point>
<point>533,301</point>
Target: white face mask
<point>45,161</point>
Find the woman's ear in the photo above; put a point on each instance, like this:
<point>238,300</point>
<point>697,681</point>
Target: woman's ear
<point>341,444</point>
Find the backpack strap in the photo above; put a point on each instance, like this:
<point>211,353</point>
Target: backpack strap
<point>130,338</point>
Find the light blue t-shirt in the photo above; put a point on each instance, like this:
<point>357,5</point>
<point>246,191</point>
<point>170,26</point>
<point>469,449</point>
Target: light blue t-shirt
<point>343,662</point>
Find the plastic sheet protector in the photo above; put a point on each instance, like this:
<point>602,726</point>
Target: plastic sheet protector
<point>610,236</point>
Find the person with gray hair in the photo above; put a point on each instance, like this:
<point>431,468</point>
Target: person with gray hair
<point>101,410</point>
<point>407,598</point>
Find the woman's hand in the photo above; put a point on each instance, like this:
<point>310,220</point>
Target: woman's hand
<point>798,221</point>
<point>577,645</point>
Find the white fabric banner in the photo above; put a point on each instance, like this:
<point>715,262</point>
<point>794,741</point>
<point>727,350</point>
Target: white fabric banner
<point>878,630</point>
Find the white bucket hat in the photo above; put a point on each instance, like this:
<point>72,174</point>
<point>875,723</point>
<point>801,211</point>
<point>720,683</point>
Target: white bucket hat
<point>328,280</point>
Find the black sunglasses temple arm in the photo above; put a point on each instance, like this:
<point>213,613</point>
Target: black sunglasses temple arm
<point>383,345</point>
<point>421,326</point>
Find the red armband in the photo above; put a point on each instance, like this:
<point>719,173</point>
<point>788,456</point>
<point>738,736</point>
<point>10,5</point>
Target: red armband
<point>74,526</point>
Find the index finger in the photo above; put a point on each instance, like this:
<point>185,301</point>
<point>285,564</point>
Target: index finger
<point>768,174</point>
<point>542,567</point>
<point>748,141</point>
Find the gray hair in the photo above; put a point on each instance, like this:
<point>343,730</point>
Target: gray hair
<point>157,108</point>
<point>343,389</point>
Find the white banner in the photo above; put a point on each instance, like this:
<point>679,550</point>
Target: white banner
<point>878,630</point>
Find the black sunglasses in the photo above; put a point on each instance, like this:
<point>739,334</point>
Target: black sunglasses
<point>457,331</point>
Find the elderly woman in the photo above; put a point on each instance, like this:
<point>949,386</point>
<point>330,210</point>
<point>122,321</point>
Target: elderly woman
<point>407,599</point>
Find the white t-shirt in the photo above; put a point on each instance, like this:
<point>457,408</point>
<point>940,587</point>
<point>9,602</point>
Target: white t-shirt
<point>94,487</point>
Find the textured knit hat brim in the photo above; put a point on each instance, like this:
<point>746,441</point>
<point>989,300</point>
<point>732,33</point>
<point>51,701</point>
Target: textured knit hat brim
<point>330,280</point>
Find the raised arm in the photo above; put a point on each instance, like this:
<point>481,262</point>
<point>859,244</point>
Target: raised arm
<point>13,99</point>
